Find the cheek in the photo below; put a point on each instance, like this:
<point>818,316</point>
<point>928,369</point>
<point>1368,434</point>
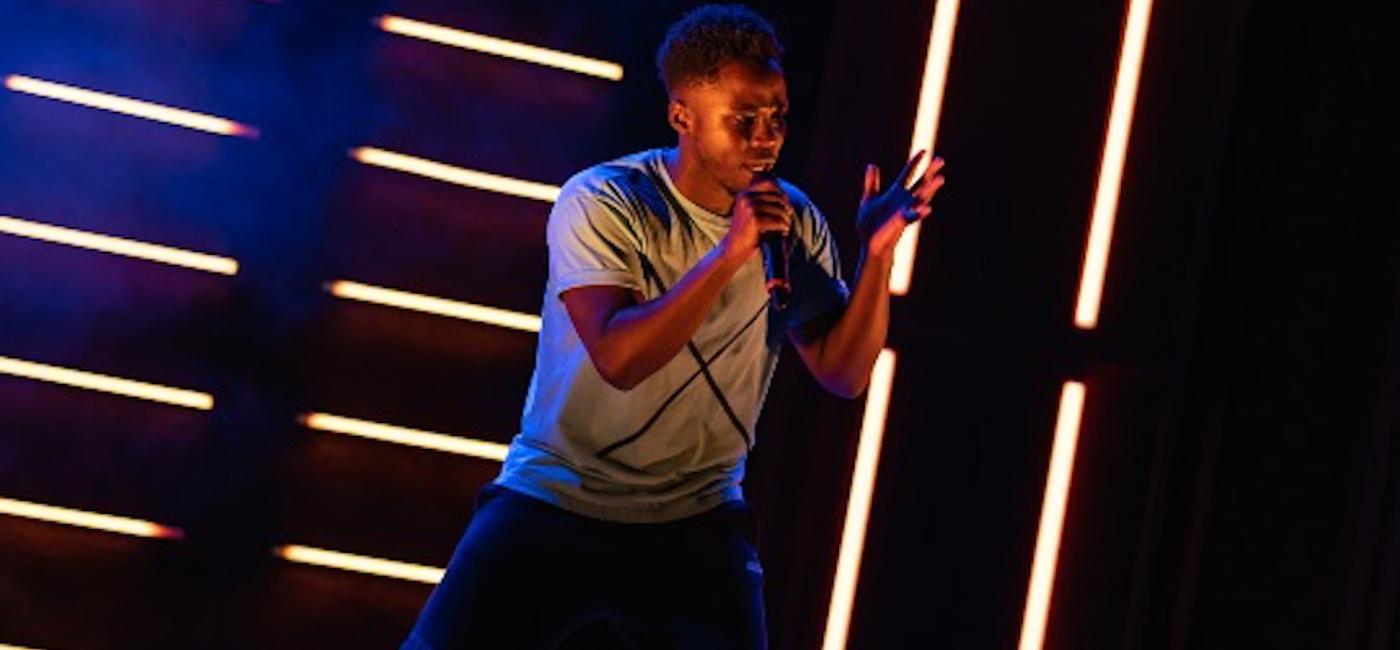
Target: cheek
<point>723,145</point>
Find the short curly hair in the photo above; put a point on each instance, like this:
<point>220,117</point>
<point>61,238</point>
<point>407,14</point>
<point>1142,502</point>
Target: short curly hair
<point>710,36</point>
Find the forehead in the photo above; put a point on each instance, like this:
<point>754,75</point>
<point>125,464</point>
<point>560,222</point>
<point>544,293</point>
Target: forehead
<point>744,86</point>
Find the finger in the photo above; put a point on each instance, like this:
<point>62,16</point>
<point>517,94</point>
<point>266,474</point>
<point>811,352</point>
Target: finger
<point>765,184</point>
<point>934,167</point>
<point>872,182</point>
<point>772,225</point>
<point>903,177</point>
<point>925,191</point>
<point>779,196</point>
<point>770,204</point>
<point>776,217</point>
<point>914,213</point>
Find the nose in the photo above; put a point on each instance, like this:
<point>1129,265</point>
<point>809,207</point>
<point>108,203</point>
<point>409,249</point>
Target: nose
<point>767,132</point>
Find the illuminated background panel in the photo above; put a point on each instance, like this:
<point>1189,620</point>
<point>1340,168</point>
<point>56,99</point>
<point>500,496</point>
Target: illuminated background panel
<point>351,493</point>
<point>77,572</point>
<point>984,319</point>
<point>1204,281</point>
<point>955,507</point>
<point>130,106</point>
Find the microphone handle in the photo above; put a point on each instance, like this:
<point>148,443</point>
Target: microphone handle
<point>775,262</point>
<point>775,267</point>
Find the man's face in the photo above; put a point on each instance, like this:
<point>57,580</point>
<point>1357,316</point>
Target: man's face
<point>737,123</point>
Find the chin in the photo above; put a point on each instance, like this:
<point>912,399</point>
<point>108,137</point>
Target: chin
<point>745,177</point>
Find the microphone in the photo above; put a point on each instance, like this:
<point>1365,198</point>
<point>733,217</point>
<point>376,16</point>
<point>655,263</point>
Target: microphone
<point>775,267</point>
<point>775,261</point>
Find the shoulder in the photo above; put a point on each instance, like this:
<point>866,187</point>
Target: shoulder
<point>810,224</point>
<point>616,180</point>
<point>609,200</point>
<point>801,203</point>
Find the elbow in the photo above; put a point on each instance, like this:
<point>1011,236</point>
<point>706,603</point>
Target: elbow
<point>621,382</point>
<point>846,387</point>
<point>617,374</point>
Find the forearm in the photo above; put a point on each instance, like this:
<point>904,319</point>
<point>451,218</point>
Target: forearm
<point>640,339</point>
<point>849,349</point>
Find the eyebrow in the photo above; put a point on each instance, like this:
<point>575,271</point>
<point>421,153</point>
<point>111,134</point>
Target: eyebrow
<point>749,106</point>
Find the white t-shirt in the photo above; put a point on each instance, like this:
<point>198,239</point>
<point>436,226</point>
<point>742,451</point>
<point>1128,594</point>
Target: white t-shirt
<point>674,445</point>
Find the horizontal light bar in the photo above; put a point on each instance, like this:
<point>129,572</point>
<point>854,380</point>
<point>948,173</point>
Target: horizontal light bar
<point>5,646</point>
<point>359,563</point>
<point>1115,153</point>
<point>940,51</point>
<point>127,106</point>
<point>431,305</point>
<point>118,246</point>
<point>455,175</point>
<point>500,47</point>
<point>1052,516</point>
<point>106,384</point>
<point>872,433</point>
<point>405,436</point>
<point>68,516</point>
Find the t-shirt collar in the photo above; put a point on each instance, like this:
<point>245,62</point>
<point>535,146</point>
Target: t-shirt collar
<point>659,159</point>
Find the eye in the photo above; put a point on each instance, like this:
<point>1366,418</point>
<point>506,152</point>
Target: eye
<point>745,122</point>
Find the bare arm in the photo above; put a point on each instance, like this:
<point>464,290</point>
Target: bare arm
<point>842,355</point>
<point>629,340</point>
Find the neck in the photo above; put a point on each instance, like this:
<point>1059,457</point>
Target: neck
<point>691,180</point>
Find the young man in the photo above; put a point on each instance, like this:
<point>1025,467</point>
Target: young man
<point>618,517</point>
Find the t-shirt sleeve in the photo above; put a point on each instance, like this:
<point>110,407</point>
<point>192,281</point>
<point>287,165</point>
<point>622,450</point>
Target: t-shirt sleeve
<point>590,243</point>
<point>815,270</point>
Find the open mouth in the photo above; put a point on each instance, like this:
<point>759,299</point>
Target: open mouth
<point>761,166</point>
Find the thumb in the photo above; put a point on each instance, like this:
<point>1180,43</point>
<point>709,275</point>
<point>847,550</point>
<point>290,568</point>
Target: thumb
<point>872,182</point>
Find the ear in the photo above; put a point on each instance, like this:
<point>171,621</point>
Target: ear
<point>679,117</point>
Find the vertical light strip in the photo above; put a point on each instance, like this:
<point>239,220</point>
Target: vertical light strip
<point>127,106</point>
<point>118,246</point>
<point>940,51</point>
<point>359,563</point>
<point>431,305</point>
<point>872,433</point>
<point>1052,516</point>
<point>92,520</point>
<point>405,436</point>
<point>106,384</point>
<point>455,175</point>
<point>500,47</point>
<point>1115,149</point>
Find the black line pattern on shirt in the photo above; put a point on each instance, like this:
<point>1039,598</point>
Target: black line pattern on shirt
<point>682,216</point>
<point>597,232</point>
<point>655,277</point>
<point>681,389</point>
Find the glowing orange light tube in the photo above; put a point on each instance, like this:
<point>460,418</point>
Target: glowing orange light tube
<point>455,175</point>
<point>118,246</point>
<point>1115,151</point>
<point>940,51</point>
<point>92,520</point>
<point>500,47</point>
<point>106,384</point>
<point>872,433</point>
<point>431,305</point>
<point>405,436</point>
<point>359,563</point>
<point>127,106</point>
<point>1052,516</point>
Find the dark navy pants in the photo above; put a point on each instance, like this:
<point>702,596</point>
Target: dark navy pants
<point>528,574</point>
